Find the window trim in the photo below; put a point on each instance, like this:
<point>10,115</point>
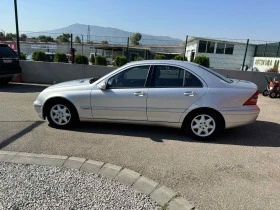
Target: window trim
<point>126,69</point>
<point>184,80</point>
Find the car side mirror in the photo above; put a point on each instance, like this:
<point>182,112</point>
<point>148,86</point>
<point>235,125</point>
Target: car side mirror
<point>102,85</point>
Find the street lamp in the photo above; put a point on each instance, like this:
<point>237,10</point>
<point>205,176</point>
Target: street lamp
<point>17,31</point>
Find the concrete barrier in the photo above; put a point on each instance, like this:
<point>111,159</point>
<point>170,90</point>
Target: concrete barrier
<point>49,73</point>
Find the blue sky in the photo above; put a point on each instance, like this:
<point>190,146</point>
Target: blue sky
<point>237,19</point>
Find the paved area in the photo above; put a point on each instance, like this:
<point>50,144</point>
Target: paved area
<point>239,170</point>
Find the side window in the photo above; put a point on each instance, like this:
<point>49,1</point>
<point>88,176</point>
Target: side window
<point>170,76</point>
<point>130,78</point>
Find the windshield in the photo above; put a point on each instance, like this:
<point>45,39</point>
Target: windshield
<point>222,77</point>
<point>7,52</point>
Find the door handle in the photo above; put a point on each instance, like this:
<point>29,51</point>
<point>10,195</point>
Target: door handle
<point>189,93</point>
<point>140,93</point>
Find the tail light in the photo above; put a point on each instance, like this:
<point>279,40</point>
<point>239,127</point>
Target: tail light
<point>252,100</point>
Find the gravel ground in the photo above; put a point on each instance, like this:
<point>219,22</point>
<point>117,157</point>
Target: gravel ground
<point>43,187</point>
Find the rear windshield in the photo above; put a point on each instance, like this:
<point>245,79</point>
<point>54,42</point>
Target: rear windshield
<point>222,77</point>
<point>7,52</point>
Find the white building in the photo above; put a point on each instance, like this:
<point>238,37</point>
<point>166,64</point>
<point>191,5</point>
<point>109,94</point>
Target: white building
<point>223,54</point>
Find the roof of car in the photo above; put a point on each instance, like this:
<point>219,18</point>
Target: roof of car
<point>169,62</point>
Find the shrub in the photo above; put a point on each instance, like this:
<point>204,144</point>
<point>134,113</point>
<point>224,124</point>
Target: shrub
<point>202,60</point>
<point>92,59</point>
<point>139,58</point>
<point>120,61</point>
<point>81,59</point>
<point>180,58</point>
<point>60,57</point>
<point>160,57</point>
<point>22,56</point>
<point>39,56</point>
<point>100,60</point>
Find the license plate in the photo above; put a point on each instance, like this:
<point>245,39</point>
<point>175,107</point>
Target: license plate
<point>7,61</point>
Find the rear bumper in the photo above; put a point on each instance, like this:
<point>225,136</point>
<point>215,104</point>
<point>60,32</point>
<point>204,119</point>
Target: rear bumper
<point>240,116</point>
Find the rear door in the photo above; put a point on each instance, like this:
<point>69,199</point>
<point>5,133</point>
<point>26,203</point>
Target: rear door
<point>9,63</point>
<point>172,91</point>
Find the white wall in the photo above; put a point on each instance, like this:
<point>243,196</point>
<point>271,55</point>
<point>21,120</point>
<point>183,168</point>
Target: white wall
<point>265,63</point>
<point>225,61</point>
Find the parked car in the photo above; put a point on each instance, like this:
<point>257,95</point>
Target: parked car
<point>9,64</point>
<point>158,92</point>
<point>49,57</point>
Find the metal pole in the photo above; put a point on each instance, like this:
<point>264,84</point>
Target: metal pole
<point>17,31</point>
<point>127,48</point>
<point>82,44</point>
<point>186,43</point>
<point>278,50</point>
<point>265,49</point>
<point>245,54</point>
<point>71,41</point>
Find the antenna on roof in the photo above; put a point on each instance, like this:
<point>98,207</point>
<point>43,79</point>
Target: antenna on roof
<point>88,34</point>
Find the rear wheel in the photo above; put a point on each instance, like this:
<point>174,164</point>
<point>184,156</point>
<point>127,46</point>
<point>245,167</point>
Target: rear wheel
<point>273,95</point>
<point>203,125</point>
<point>61,114</point>
<point>265,92</point>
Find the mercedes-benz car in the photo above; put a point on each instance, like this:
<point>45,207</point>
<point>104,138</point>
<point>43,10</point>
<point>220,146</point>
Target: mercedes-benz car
<point>154,92</point>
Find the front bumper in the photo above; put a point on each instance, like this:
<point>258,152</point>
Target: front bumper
<point>240,116</point>
<point>38,109</point>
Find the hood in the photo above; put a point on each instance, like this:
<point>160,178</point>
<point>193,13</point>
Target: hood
<point>69,84</point>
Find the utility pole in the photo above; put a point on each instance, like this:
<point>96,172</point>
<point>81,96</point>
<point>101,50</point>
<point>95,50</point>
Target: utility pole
<point>88,34</point>
<point>186,44</point>
<point>245,55</point>
<point>82,44</point>
<point>17,31</point>
<point>127,49</point>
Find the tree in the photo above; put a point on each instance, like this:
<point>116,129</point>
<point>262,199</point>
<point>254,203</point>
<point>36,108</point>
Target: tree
<point>104,42</point>
<point>39,56</point>
<point>1,34</point>
<point>120,61</point>
<point>77,39</point>
<point>23,36</point>
<point>10,35</point>
<point>202,60</point>
<point>44,38</point>
<point>135,38</point>
<point>179,57</point>
<point>100,60</point>
<point>63,38</point>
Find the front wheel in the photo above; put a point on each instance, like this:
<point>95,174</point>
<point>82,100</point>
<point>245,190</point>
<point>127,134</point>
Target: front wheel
<point>61,114</point>
<point>5,80</point>
<point>203,125</point>
<point>273,95</point>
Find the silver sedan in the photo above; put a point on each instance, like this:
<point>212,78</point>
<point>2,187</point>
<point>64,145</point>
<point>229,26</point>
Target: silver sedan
<point>167,93</point>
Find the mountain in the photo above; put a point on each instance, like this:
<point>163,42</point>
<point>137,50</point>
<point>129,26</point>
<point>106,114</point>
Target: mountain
<point>112,35</point>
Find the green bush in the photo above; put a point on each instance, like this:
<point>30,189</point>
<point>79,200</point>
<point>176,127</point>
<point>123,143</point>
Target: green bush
<point>60,57</point>
<point>180,58</point>
<point>81,59</point>
<point>100,60</point>
<point>39,56</point>
<point>92,59</point>
<point>160,57</point>
<point>22,56</point>
<point>202,60</point>
<point>120,61</point>
<point>139,58</point>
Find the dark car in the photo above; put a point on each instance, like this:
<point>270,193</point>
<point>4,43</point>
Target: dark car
<point>9,64</point>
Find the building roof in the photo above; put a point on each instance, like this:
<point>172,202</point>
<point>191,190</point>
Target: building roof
<point>234,41</point>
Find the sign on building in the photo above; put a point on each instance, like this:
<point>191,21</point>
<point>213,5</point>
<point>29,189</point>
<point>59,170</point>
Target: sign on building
<point>265,63</point>
<point>44,46</point>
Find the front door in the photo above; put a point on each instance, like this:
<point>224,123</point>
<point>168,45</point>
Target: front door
<point>172,91</point>
<point>125,97</point>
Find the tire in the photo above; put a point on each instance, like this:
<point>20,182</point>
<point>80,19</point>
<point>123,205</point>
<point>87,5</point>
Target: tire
<point>273,95</point>
<point>5,80</point>
<point>265,92</point>
<point>61,114</point>
<point>203,125</point>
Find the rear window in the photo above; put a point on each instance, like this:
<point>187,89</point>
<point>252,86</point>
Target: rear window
<point>7,52</point>
<point>222,77</point>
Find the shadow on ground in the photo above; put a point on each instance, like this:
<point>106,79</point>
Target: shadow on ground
<point>22,88</point>
<point>261,133</point>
